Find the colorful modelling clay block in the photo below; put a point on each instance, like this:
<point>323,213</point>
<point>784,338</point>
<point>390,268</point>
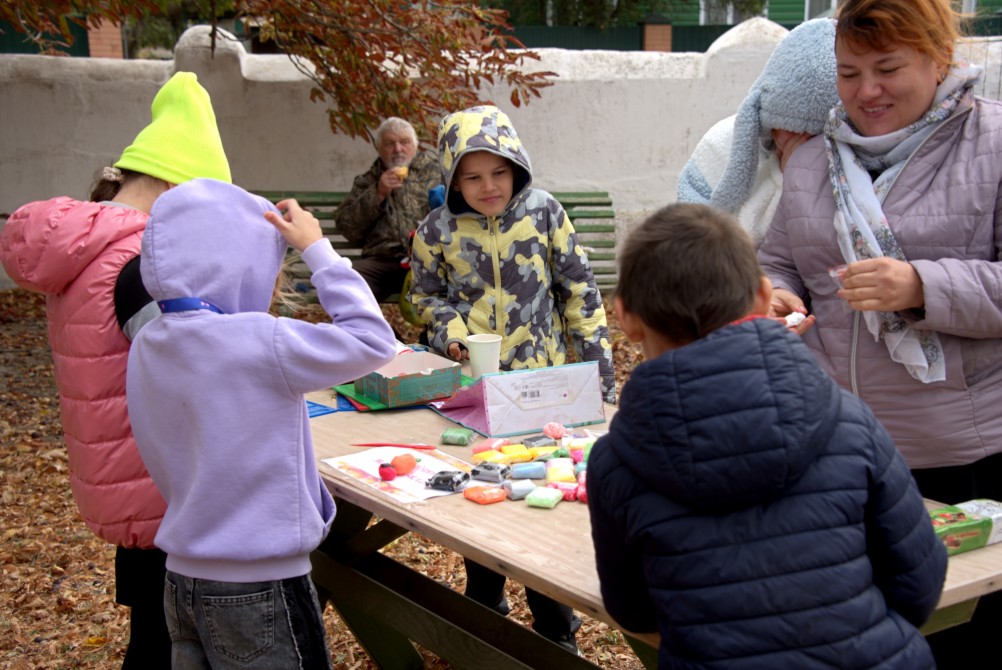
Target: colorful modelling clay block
<point>491,456</point>
<point>517,453</point>
<point>567,489</point>
<point>582,487</point>
<point>518,488</point>
<point>543,496</point>
<point>460,436</point>
<point>533,470</point>
<point>539,441</point>
<point>560,470</point>
<point>485,495</point>
<point>541,453</point>
<point>576,442</point>
<point>554,430</point>
<point>490,472</point>
<point>447,480</point>
<point>577,455</point>
<point>580,467</point>
<point>490,443</point>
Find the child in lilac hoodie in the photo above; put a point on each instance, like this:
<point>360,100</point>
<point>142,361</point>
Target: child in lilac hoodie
<point>215,393</point>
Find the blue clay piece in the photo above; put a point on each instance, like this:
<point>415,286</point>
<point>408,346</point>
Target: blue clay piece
<point>532,470</point>
<point>518,489</point>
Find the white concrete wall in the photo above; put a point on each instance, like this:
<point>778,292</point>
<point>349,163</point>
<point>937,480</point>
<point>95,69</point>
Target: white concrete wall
<point>625,122</point>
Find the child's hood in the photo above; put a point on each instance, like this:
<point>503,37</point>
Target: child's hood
<point>208,239</point>
<point>481,128</point>
<point>728,421</point>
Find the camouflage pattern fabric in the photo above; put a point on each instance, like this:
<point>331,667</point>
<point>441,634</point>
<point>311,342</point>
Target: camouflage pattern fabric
<point>383,230</point>
<point>522,275</point>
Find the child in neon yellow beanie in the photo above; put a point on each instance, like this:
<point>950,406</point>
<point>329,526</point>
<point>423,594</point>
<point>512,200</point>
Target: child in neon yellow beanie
<point>85,257</point>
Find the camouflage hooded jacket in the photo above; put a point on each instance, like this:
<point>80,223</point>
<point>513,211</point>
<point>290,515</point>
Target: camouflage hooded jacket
<point>522,274</point>
<point>384,229</point>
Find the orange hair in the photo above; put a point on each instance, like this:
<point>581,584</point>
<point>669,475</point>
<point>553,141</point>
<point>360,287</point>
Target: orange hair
<point>931,27</point>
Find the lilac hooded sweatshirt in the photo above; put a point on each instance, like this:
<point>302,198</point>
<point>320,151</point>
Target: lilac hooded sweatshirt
<point>216,400</point>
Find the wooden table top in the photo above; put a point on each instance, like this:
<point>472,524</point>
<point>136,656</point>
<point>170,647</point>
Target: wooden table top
<point>549,550</point>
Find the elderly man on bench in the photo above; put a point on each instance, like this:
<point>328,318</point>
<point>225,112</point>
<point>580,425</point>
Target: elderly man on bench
<point>385,205</point>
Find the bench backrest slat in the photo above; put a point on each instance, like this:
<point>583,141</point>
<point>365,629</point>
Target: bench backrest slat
<point>590,211</point>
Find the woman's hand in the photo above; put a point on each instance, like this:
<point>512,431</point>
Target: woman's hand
<point>456,351</point>
<point>882,285</point>
<point>298,226</point>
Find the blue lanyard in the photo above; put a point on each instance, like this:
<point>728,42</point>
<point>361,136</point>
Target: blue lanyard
<point>186,304</point>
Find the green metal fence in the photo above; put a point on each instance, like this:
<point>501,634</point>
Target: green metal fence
<point>627,38</point>
<point>684,38</point>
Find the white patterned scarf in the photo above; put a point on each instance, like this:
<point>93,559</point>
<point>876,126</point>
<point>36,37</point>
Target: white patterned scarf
<point>860,224</point>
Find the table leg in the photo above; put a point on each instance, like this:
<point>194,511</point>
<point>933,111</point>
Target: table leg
<point>646,654</point>
<point>387,604</point>
<point>948,617</point>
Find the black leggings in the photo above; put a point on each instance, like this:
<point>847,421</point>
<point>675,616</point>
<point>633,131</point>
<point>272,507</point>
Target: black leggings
<point>551,619</point>
<point>139,585</point>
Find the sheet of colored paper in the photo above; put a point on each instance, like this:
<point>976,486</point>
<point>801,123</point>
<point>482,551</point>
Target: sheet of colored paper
<point>364,466</point>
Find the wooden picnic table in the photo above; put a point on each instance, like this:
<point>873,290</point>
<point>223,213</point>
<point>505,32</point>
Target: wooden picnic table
<point>388,605</point>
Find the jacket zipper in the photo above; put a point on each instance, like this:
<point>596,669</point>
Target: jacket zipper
<point>492,227</point>
<point>853,349</point>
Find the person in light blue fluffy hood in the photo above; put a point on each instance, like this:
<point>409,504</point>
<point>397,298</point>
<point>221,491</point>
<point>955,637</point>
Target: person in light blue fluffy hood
<point>738,164</point>
<point>215,394</point>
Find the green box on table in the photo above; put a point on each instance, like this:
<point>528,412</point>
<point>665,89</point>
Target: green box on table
<point>412,378</point>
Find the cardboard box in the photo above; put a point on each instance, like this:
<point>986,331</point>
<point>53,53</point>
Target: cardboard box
<point>523,401</point>
<point>989,509</point>
<point>411,379</point>
<point>959,530</point>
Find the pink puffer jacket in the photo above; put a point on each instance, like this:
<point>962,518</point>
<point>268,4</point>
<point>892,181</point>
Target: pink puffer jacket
<point>946,212</point>
<point>73,252</point>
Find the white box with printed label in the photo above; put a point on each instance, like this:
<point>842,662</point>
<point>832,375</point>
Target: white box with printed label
<point>519,402</point>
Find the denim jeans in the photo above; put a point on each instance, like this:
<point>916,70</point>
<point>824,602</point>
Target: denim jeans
<point>261,625</point>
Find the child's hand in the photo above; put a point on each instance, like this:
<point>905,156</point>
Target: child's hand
<point>298,226</point>
<point>784,302</point>
<point>456,351</point>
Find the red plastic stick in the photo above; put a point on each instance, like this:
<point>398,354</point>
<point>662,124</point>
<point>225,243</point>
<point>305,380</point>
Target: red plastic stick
<point>395,444</point>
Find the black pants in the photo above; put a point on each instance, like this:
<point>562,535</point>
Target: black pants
<point>968,645</point>
<point>551,619</point>
<point>139,585</point>
<point>385,276</point>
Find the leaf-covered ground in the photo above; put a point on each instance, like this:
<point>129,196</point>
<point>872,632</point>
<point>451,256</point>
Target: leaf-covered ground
<point>57,579</point>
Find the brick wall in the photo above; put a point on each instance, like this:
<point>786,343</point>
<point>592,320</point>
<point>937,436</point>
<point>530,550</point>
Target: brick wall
<point>105,41</point>
<point>657,37</point>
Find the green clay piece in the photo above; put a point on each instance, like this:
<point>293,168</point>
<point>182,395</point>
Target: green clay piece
<point>460,436</point>
<point>544,496</point>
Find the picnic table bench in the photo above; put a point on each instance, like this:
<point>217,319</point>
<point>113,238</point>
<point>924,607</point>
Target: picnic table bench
<point>590,211</point>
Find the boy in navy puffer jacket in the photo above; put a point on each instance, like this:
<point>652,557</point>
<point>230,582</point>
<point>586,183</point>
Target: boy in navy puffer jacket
<point>742,504</point>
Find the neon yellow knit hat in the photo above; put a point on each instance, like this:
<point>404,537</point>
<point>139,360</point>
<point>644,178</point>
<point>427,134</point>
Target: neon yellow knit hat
<point>182,142</point>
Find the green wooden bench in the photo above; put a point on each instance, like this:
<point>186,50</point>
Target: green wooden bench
<point>590,212</point>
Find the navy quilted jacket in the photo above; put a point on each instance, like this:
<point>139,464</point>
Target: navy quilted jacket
<point>757,516</point>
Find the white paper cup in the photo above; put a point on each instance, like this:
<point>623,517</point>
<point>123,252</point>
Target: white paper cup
<point>485,354</point>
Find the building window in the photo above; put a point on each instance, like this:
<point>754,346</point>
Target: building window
<point>815,8</point>
<point>721,12</point>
